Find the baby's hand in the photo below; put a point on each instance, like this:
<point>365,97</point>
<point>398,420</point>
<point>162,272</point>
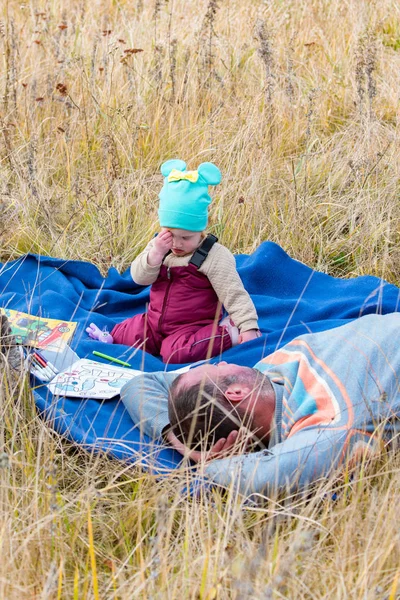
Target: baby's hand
<point>251,334</point>
<point>163,242</point>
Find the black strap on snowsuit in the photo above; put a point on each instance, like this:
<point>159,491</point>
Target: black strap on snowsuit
<point>202,251</point>
<point>200,255</point>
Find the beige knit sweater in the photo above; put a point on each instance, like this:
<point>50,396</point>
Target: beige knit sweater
<point>220,268</point>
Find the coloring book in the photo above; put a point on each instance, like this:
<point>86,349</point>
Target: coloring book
<point>87,378</point>
<point>39,332</point>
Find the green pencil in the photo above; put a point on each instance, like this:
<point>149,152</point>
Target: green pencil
<point>111,358</point>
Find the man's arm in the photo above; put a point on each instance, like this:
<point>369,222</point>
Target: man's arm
<point>146,400</point>
<point>305,457</point>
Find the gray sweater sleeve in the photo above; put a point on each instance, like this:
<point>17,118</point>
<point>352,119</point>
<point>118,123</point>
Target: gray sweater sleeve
<point>146,400</point>
<point>305,457</point>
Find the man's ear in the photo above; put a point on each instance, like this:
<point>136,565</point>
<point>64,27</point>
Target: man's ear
<point>236,392</point>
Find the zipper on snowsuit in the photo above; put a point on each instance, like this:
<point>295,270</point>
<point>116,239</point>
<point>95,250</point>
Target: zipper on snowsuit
<point>169,277</point>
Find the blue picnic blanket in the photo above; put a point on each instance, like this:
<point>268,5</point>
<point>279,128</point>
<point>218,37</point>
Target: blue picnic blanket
<point>291,299</point>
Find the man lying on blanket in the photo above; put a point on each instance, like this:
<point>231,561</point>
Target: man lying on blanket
<point>320,401</point>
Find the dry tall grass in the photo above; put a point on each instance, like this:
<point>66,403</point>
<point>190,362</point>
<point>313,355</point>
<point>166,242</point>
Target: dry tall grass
<point>298,103</point>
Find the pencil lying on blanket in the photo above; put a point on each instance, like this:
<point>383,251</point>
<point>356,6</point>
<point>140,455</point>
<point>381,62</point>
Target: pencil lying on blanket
<point>111,358</point>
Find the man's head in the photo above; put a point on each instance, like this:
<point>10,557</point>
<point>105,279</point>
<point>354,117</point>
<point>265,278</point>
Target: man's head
<point>208,402</point>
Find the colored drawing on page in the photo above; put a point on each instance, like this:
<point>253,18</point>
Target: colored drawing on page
<point>91,379</point>
<point>39,332</point>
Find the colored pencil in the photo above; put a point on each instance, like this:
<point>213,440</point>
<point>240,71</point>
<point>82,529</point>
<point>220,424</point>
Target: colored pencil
<point>111,358</point>
<point>41,373</point>
<point>52,367</point>
<point>40,359</point>
<point>46,363</point>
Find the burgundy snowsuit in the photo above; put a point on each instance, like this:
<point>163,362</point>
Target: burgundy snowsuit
<point>181,323</point>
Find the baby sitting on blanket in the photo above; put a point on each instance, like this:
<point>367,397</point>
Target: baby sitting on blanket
<point>191,277</point>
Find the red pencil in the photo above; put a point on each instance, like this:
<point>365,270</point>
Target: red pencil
<point>40,359</point>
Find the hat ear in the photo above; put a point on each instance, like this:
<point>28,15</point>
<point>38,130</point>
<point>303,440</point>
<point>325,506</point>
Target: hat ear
<point>174,163</point>
<point>210,173</point>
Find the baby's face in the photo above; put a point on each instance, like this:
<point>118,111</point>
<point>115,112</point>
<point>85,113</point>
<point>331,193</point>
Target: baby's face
<point>185,242</point>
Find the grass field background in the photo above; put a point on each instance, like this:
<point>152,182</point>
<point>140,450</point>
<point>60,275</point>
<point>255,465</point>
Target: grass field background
<point>298,104</point>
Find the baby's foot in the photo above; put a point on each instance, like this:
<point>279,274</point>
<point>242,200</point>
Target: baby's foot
<point>97,334</point>
<point>231,329</point>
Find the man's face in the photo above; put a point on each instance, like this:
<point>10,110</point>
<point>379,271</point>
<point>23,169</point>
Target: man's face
<point>215,372</point>
<point>247,388</point>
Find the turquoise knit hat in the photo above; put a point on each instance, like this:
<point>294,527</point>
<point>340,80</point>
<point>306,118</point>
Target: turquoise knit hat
<point>184,197</point>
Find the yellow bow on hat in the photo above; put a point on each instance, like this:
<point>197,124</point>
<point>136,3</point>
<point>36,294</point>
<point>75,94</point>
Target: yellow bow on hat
<point>176,175</point>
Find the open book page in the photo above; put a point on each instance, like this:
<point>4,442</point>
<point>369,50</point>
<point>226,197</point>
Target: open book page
<point>87,378</point>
